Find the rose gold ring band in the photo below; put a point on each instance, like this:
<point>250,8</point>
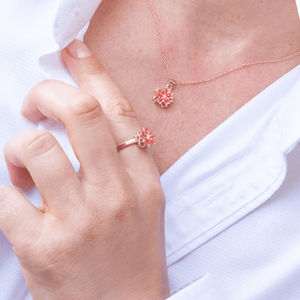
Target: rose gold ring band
<point>143,140</point>
<point>125,144</point>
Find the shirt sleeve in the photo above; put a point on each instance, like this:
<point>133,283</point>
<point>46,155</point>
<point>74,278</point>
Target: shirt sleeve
<point>203,288</point>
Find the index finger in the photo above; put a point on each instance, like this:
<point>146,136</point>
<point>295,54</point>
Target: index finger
<point>92,78</point>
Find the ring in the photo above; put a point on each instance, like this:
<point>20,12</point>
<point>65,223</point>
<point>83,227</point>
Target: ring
<point>143,139</point>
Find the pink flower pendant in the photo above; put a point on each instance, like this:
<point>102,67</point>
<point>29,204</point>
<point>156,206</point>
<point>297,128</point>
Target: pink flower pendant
<point>164,97</point>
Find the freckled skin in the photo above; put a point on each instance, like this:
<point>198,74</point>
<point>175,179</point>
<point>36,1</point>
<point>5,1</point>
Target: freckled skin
<point>201,39</point>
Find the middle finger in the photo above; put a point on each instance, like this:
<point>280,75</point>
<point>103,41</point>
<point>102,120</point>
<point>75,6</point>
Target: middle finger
<point>87,128</point>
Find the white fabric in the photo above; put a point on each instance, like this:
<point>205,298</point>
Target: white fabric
<point>233,212</point>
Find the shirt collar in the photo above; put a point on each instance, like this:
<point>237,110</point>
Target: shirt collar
<point>70,20</point>
<point>234,169</point>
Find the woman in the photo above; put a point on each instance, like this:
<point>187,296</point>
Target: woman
<point>99,233</point>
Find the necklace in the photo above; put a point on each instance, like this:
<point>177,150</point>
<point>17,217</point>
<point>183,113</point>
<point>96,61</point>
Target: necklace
<point>164,96</point>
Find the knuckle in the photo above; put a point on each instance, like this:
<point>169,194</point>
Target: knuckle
<point>124,208</point>
<point>83,103</point>
<point>85,108</point>
<point>41,142</point>
<point>89,231</point>
<point>39,87</point>
<point>120,108</point>
<point>94,72</point>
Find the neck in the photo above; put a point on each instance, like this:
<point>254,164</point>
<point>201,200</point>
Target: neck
<point>244,30</point>
<point>227,18</point>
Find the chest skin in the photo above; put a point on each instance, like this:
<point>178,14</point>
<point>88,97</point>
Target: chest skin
<point>123,37</point>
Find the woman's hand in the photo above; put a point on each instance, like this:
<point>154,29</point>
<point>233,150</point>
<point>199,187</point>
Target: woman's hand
<point>98,233</point>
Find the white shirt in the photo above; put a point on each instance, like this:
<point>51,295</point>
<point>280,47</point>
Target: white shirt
<point>233,207</point>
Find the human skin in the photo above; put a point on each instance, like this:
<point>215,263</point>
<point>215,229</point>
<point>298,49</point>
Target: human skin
<point>201,39</point>
<point>98,233</point>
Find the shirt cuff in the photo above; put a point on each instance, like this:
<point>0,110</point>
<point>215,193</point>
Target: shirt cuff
<point>203,288</point>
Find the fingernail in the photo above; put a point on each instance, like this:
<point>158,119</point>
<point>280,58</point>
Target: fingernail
<point>78,49</point>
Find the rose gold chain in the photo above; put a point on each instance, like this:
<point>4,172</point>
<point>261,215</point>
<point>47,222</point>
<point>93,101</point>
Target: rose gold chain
<point>215,76</point>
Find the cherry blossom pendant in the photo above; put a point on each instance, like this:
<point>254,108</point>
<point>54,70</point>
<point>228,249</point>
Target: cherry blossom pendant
<point>164,97</point>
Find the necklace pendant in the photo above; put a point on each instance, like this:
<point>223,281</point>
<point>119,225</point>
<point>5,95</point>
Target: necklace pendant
<point>164,97</point>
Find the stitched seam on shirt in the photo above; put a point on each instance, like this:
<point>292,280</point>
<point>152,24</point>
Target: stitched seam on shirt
<point>236,207</point>
<point>208,179</point>
<point>211,199</point>
<point>239,159</point>
<point>236,161</point>
<point>248,203</point>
